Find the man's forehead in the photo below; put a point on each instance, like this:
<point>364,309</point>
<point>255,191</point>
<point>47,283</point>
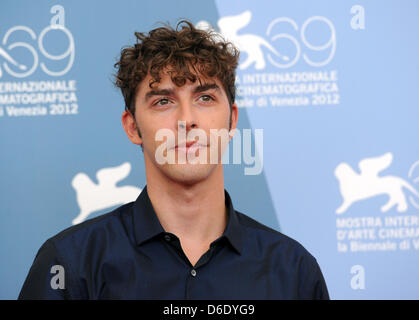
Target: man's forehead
<point>166,82</point>
<point>167,76</point>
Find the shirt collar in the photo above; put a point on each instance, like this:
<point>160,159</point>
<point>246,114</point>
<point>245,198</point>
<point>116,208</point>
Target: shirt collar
<point>234,230</point>
<point>147,224</point>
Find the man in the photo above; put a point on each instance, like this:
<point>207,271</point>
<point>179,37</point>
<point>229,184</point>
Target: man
<point>182,238</point>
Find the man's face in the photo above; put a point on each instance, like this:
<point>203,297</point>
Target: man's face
<point>201,106</point>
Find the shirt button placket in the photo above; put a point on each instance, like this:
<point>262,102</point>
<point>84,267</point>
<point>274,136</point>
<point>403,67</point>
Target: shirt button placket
<point>190,284</point>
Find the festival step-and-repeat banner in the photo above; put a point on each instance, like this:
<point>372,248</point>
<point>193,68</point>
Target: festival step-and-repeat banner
<point>327,111</point>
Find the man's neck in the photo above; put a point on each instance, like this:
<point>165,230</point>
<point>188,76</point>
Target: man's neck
<point>195,213</point>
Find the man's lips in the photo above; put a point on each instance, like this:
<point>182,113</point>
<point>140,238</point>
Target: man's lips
<point>189,145</point>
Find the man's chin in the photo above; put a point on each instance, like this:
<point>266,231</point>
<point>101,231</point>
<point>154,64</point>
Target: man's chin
<point>189,174</point>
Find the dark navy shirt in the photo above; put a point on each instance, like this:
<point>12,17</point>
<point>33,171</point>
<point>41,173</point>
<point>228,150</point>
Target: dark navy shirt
<point>126,254</point>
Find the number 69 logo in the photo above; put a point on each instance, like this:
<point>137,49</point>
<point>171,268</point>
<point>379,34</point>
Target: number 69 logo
<point>276,38</point>
<point>21,70</point>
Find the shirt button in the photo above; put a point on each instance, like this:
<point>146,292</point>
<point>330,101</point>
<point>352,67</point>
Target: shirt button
<point>193,272</point>
<point>167,237</point>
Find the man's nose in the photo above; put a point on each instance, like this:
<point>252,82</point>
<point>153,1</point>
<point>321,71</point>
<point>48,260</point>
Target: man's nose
<point>187,117</point>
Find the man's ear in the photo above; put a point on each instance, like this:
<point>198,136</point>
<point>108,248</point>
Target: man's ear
<point>130,127</point>
<point>234,119</point>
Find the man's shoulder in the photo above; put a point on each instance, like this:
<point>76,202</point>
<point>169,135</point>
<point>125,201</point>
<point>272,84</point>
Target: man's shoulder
<point>269,237</point>
<point>286,256</point>
<point>94,228</point>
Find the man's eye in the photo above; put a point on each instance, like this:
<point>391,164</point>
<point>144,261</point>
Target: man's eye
<point>206,98</point>
<point>162,102</point>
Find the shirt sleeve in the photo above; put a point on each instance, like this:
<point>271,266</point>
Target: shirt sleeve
<point>320,291</point>
<point>49,277</point>
<point>312,285</point>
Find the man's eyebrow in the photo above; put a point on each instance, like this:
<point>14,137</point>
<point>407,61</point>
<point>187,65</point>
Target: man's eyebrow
<point>205,87</point>
<point>161,92</point>
<point>170,92</point>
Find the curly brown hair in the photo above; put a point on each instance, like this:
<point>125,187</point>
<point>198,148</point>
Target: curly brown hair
<point>187,51</point>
